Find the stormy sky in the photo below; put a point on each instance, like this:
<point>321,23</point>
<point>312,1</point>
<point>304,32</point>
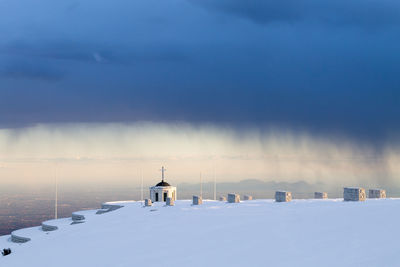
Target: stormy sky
<point>325,67</point>
<point>273,90</point>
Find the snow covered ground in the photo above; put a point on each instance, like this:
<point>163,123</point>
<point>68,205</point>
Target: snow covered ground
<point>250,233</point>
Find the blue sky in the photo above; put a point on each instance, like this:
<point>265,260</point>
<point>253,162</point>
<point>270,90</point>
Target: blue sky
<point>326,67</point>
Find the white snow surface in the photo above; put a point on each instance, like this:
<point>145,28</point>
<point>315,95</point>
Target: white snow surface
<point>250,233</point>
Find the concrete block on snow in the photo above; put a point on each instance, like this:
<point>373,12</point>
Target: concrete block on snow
<point>376,193</point>
<point>320,195</point>
<point>283,196</point>
<point>197,200</point>
<point>147,202</point>
<point>233,198</point>
<point>247,197</point>
<point>354,194</point>
<point>170,202</point>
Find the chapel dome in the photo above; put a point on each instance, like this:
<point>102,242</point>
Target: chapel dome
<point>162,183</point>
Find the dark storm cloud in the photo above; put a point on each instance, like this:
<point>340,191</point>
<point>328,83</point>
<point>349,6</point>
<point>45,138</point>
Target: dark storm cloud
<point>203,62</point>
<point>91,53</point>
<point>365,13</point>
<point>30,73</point>
<point>62,51</point>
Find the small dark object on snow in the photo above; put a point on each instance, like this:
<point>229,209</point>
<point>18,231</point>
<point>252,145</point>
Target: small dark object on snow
<point>6,251</point>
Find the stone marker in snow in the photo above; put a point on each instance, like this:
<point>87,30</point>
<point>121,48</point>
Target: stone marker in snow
<point>147,202</point>
<point>247,197</point>
<point>76,217</point>
<point>197,200</point>
<point>170,201</point>
<point>283,196</point>
<point>222,198</point>
<point>376,193</point>
<point>321,195</point>
<point>354,194</point>
<point>233,198</point>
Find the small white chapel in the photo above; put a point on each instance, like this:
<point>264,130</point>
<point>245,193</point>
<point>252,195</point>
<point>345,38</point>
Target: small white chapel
<point>162,190</point>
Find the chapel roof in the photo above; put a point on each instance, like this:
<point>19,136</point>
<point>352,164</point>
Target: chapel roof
<point>163,183</point>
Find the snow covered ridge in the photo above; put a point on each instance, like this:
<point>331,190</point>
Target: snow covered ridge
<point>24,235</point>
<point>216,233</point>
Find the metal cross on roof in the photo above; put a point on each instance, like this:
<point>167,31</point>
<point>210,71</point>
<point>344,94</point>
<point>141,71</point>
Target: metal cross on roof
<point>162,173</point>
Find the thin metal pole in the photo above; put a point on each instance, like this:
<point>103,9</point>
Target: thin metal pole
<point>215,186</point>
<point>201,186</point>
<point>56,196</point>
<point>141,189</point>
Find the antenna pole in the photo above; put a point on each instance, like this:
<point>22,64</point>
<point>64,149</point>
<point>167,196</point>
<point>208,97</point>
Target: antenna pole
<point>56,196</point>
<point>215,186</point>
<point>201,186</point>
<point>141,189</point>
